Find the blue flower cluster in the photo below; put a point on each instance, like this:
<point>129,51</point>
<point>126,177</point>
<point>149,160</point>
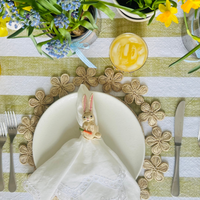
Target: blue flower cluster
<point>61,21</point>
<point>74,14</point>
<point>69,4</point>
<point>56,49</point>
<point>31,18</point>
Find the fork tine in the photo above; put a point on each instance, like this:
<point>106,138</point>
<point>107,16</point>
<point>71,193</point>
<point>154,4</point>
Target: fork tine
<point>7,119</point>
<point>15,120</point>
<point>11,119</point>
<point>3,132</point>
<point>5,129</point>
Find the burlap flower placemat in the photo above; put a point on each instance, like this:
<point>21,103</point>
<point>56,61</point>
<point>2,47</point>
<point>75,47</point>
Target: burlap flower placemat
<point>158,141</point>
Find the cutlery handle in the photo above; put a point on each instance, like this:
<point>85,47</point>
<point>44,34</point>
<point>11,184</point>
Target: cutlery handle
<point>12,183</point>
<point>175,183</point>
<point>1,172</point>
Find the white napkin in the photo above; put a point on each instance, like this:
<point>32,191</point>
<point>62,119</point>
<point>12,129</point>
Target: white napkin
<point>83,170</point>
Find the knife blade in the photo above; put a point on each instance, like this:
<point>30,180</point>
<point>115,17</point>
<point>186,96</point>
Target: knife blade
<point>178,131</point>
<point>179,117</point>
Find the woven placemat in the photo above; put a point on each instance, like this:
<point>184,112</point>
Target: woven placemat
<point>111,80</point>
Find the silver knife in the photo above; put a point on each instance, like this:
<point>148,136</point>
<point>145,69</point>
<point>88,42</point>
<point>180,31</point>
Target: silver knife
<point>179,118</point>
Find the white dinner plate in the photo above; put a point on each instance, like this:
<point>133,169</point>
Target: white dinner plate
<point>118,125</point>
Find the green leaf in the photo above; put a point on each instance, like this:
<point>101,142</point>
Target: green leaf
<point>17,32</point>
<point>196,11</point>
<point>42,34</point>
<point>41,8</point>
<point>194,69</point>
<point>152,17</point>
<point>53,2</point>
<point>52,24</point>
<point>35,43</point>
<point>86,24</point>
<point>48,56</point>
<point>49,6</point>
<point>70,53</point>
<point>30,30</point>
<point>136,11</point>
<point>105,9</point>
<point>90,17</point>
<point>65,34</point>
<point>148,2</point>
<point>80,11</point>
<point>186,55</point>
<point>39,45</point>
<point>85,7</point>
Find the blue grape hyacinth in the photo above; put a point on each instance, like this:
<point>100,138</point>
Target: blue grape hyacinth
<point>69,4</point>
<point>56,49</point>
<point>31,18</point>
<point>74,14</point>
<point>61,21</point>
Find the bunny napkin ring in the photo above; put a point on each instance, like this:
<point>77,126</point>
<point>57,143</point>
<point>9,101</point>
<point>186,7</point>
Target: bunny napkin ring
<point>89,129</point>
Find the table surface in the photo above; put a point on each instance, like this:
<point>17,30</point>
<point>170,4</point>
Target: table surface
<point>23,71</point>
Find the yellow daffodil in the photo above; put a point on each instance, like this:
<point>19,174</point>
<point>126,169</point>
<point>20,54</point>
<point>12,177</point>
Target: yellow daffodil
<point>167,15</point>
<point>3,27</point>
<point>195,4</point>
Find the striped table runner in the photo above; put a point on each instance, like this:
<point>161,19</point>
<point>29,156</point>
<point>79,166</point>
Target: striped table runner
<point>23,71</point>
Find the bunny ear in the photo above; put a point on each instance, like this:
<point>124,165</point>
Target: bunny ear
<point>84,102</point>
<point>91,102</point>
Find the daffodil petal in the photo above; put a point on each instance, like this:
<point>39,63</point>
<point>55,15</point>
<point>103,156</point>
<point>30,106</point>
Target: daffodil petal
<point>168,22</point>
<point>3,31</point>
<point>162,17</point>
<point>174,18</point>
<point>174,10</point>
<point>158,17</point>
<point>162,8</point>
<point>168,5</point>
<point>28,8</point>
<point>186,7</point>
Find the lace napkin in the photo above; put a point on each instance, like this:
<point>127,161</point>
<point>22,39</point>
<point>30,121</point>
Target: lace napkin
<point>83,170</point>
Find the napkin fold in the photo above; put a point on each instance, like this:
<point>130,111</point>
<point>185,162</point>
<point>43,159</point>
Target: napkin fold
<point>83,170</point>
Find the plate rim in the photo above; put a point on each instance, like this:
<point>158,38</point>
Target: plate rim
<point>74,93</point>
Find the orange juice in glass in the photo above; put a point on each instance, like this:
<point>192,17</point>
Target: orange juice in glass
<point>128,52</point>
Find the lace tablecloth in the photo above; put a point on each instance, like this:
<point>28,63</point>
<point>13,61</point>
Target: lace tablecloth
<point>24,71</point>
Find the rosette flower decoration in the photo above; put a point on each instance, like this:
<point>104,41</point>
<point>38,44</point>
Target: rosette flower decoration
<point>151,113</point>
<point>61,86</point>
<point>155,168</point>
<point>134,92</point>
<point>86,77</point>
<point>41,102</point>
<point>26,154</point>
<point>144,193</point>
<point>111,81</point>
<point>159,141</point>
<point>28,127</point>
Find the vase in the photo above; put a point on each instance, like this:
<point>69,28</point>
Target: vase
<point>133,17</point>
<point>194,28</point>
<point>85,40</point>
<point>89,36</point>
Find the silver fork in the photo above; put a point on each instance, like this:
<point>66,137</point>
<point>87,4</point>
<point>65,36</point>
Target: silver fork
<point>12,132</point>
<point>3,137</point>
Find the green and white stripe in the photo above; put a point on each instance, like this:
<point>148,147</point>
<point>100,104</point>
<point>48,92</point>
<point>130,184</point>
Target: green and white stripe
<point>24,71</point>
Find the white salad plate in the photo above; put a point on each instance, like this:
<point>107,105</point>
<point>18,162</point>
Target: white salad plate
<point>119,127</point>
